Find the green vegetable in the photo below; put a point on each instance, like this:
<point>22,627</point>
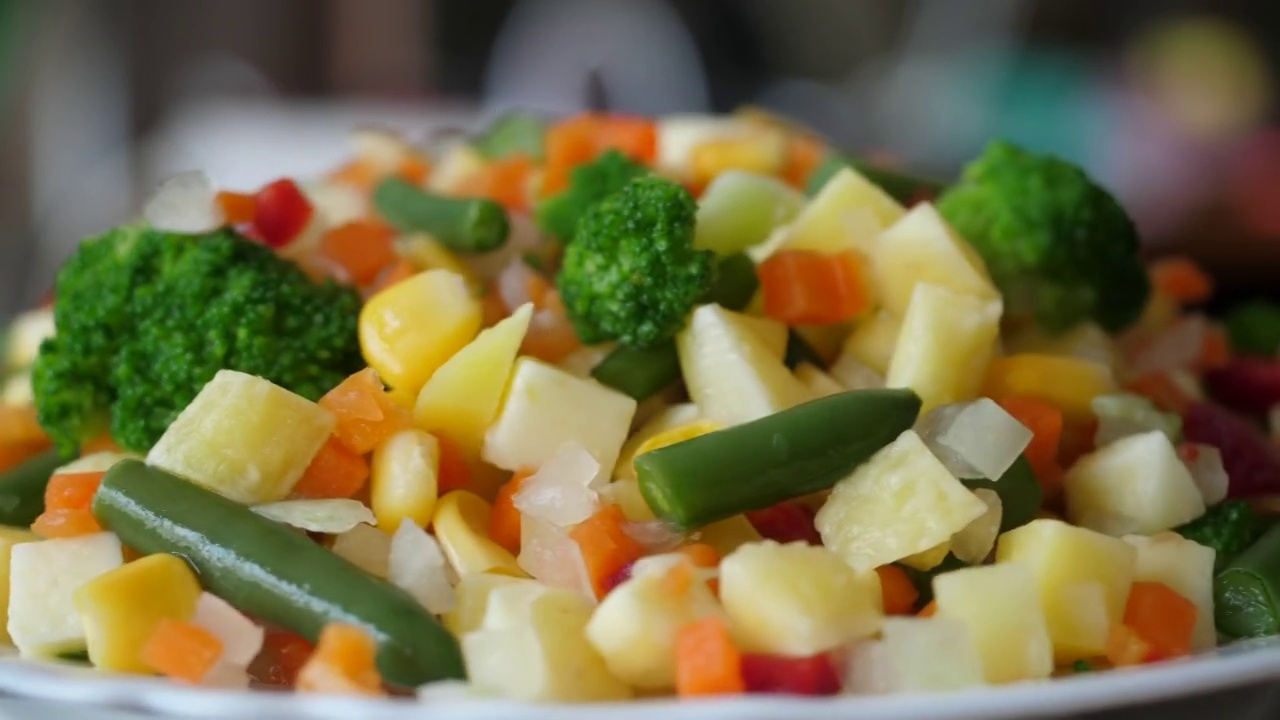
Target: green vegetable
<point>740,209</point>
<point>631,273</point>
<point>642,372</point>
<point>1246,594</point>
<point>1060,248</point>
<point>273,572</point>
<point>588,185</point>
<point>903,188</point>
<point>1254,328</point>
<point>789,454</point>
<point>1229,527</point>
<point>1019,491</point>
<point>1120,414</point>
<point>465,225</point>
<point>516,133</point>
<point>1081,666</point>
<point>145,318</point>
<point>800,351</point>
<point>22,488</point>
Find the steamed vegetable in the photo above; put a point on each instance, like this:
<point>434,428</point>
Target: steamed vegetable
<point>590,183</point>
<point>516,133</point>
<point>468,225</point>
<point>22,488</point>
<point>1247,592</point>
<point>1229,528</point>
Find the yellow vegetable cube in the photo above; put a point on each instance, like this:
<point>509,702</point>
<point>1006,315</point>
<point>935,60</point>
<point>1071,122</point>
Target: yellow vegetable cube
<point>403,479</point>
<point>8,538</point>
<point>1063,556</point>
<point>1136,484</point>
<point>873,341</point>
<point>729,534</point>
<point>121,608</point>
<point>461,526</point>
<point>828,222</point>
<point>1070,384</point>
<point>244,438</point>
<point>1000,605</point>
<point>947,340</point>
<point>410,329</point>
<point>43,579</point>
<point>1186,567</point>
<point>922,248</point>
<point>819,383</point>
<point>473,593</point>
<point>667,418</point>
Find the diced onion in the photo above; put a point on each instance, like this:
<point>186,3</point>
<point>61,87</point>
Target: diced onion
<point>973,544</point>
<point>582,361</point>
<point>331,516</point>
<point>655,536</point>
<point>241,637</point>
<point>226,677</point>
<point>513,283</point>
<point>548,554</point>
<point>1205,464</point>
<point>367,547</point>
<point>976,439</point>
<point>417,566</point>
<point>185,203</point>
<point>1123,414</point>
<point>560,491</point>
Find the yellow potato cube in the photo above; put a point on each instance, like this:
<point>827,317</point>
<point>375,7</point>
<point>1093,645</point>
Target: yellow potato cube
<point>947,340</point>
<point>847,203</point>
<point>873,341</point>
<point>1000,605</point>
<point>921,248</point>
<point>473,594</point>
<point>1136,484</point>
<point>1186,567</point>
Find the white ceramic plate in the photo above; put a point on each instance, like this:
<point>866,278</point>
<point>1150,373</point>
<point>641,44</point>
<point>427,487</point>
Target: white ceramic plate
<point>1230,667</point>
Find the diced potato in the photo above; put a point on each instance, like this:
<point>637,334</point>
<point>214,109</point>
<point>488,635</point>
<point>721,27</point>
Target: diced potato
<point>121,608</point>
<point>921,248</point>
<point>900,502</point>
<point>1000,605</point>
<point>545,408</point>
<point>43,579</point>
<point>1136,484</point>
<point>1069,384</point>
<point>461,525</point>
<point>625,493</point>
<point>672,416</point>
<point>732,376</point>
<point>403,479</point>
<point>930,654</point>
<point>474,591</point>
<point>1187,568</point>
<point>1061,557</point>
<point>797,599</point>
<point>410,329</point>
<point>461,399</point>
<point>974,543</point>
<point>739,209</point>
<point>546,660</point>
<point>729,534</point>
<point>634,628</point>
<point>946,341</point>
<point>873,341</point>
<point>819,383</point>
<point>9,537</point>
<point>826,341</point>
<point>336,203</point>
<point>244,438</point>
<point>847,212</point>
<point>771,333</point>
<point>926,560</point>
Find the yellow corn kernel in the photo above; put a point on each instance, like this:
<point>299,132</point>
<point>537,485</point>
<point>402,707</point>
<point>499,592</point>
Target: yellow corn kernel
<point>928,559</point>
<point>8,538</point>
<point>1070,384</point>
<point>461,525</point>
<point>413,327</point>
<point>675,435</point>
<point>426,253</point>
<point>764,154</point>
<point>121,608</point>
<point>403,479</point>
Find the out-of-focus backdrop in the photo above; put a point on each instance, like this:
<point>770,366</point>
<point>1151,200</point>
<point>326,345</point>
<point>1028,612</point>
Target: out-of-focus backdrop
<point>1171,103</point>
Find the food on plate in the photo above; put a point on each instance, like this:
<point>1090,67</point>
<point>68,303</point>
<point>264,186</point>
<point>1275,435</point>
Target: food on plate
<point>592,408</point>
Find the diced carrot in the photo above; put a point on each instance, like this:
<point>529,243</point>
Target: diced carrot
<point>678,580</point>
<point>928,610</point>
<point>65,523</point>
<point>899,593</point>
<point>1126,648</point>
<point>361,247</point>
<point>1215,349</point>
<point>101,443</point>
<point>804,154</point>
<point>72,491</point>
<point>14,454</point>
<point>606,547</point>
<point>1182,279</point>
<point>504,519</point>
<point>704,556</point>
<point>343,662</point>
<point>454,473</point>
<point>580,139</point>
<point>633,136</point>
<point>182,650</point>
<point>398,270</point>
<point>335,472</point>
<point>283,654</point>
<point>802,287</point>
<point>505,180</point>
<point>415,169</point>
<point>358,173</point>
<point>365,412</point>
<point>1045,422</point>
<point>18,424</point>
<point>550,336</point>
<point>237,208</point>
<point>707,661</point>
<point>1162,618</point>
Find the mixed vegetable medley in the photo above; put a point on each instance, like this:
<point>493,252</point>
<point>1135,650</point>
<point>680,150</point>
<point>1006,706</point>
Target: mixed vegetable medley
<point>608,407</point>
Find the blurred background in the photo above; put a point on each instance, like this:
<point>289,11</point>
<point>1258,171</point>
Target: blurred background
<point>1170,103</point>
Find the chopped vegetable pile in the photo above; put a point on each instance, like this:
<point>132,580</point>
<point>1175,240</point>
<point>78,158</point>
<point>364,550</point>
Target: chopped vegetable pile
<point>600,407</point>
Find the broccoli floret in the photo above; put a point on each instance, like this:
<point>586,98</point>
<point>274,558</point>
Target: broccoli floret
<point>1254,328</point>
<point>145,318</point>
<point>1228,527</point>
<point>631,273</point>
<point>1060,248</point>
<point>588,184</point>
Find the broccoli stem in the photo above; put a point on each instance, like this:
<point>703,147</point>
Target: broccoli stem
<point>466,225</point>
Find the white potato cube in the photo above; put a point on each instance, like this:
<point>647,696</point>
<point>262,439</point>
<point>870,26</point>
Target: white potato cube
<point>825,224</point>
<point>1136,483</point>
<point>921,248</point>
<point>1000,606</point>
<point>931,654</point>
<point>947,340</point>
<point>43,579</point>
<point>1186,567</point>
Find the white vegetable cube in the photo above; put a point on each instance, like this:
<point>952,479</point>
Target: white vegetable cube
<point>634,628</point>
<point>731,374</point>
<point>930,654</point>
<point>1000,605</point>
<point>546,408</point>
<point>797,599</point>
<point>1137,484</point>
<point>847,202</point>
<point>560,491</point>
<point>872,341</point>
<point>973,544</point>
<point>921,249</point>
<point>9,537</point>
<point>331,516</point>
<point>241,637</point>
<point>1186,567</point>
<point>244,438</point>
<point>417,566</point>
<point>551,556</point>
<point>367,547</point>
<point>473,592</point>
<point>977,439</point>
<point>819,383</point>
<point>43,579</point>
<point>947,340</point>
<point>901,502</point>
<point>1073,566</point>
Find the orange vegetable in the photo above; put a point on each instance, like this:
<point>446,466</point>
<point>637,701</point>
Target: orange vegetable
<point>580,139</point>
<point>18,425</point>
<point>1125,647</point>
<point>237,208</point>
<point>802,287</point>
<point>1215,350</point>
<point>1180,278</point>
<point>504,519</point>
<point>396,271</point>
<point>707,662</point>
<point>493,307</point>
<point>335,472</point>
<point>606,548</point>
<point>1045,422</point>
<point>363,248</point>
<point>283,654</point>
<point>899,593</point>
<point>182,650</point>
<point>72,491</point>
<point>102,443</point>
<point>414,169</point>
<point>928,610</point>
<point>804,155</point>
<point>704,556</point>
<point>65,523</point>
<point>1162,618</point>
<point>453,472</point>
<point>550,336</point>
<point>365,412</point>
<point>14,454</point>
<point>343,662</point>
<point>357,173</point>
<point>505,180</point>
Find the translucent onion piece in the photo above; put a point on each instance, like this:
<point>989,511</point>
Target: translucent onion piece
<point>332,516</point>
<point>560,491</point>
<point>1205,464</point>
<point>1177,347</point>
<point>366,546</point>
<point>417,566</point>
<point>185,203</point>
<point>548,554</point>
<point>854,375</point>
<point>337,203</point>
<point>1124,414</point>
<point>976,439</point>
<point>973,544</point>
<point>241,637</point>
<point>447,691</point>
<point>655,536</point>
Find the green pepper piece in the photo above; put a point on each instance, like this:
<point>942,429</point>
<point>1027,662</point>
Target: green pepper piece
<point>516,133</point>
<point>1019,491</point>
<point>905,189</point>
<point>22,488</point>
<point>786,455</point>
<point>1246,594</point>
<point>273,572</point>
<point>465,225</point>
